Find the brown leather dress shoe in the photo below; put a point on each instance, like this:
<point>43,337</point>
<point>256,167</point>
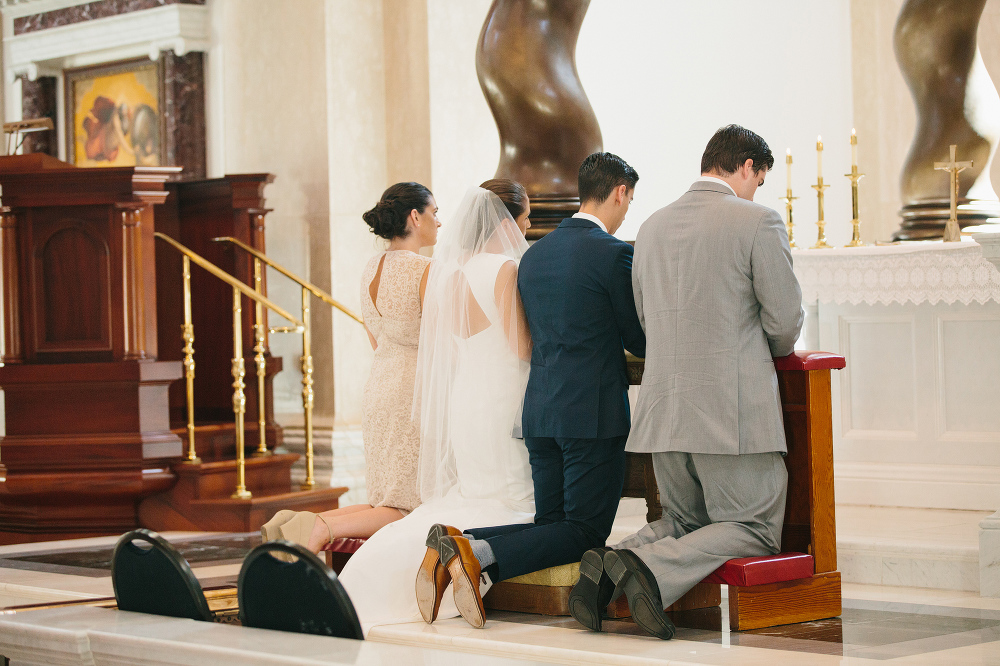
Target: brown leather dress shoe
<point>457,555</point>
<point>432,576</point>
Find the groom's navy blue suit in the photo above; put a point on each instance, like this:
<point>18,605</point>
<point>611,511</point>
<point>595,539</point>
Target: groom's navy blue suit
<point>576,286</point>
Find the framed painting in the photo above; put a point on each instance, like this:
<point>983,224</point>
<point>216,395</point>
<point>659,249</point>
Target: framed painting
<point>113,114</point>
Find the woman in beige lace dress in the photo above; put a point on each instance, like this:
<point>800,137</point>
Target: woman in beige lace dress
<point>392,291</point>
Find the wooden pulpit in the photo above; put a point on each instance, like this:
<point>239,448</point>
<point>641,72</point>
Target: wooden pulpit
<point>88,432</point>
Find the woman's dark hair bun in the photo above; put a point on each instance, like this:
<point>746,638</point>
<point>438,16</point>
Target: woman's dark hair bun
<point>388,218</point>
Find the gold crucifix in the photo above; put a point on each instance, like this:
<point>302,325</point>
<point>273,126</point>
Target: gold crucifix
<point>952,232</point>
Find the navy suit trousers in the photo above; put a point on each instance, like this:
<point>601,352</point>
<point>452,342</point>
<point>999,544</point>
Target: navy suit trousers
<point>578,484</point>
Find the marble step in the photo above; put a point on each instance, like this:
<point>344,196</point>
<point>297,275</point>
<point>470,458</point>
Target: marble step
<point>928,548</point>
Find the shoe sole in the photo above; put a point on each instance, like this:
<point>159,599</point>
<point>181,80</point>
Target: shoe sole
<point>582,598</point>
<point>429,589</point>
<point>466,591</point>
<point>640,600</point>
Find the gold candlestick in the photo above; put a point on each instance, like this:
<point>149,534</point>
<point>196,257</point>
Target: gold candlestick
<point>788,198</point>
<point>953,232</point>
<point>821,243</point>
<point>855,176</point>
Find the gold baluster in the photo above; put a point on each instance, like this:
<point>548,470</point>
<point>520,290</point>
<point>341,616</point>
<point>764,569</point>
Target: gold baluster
<point>307,388</point>
<point>259,360</point>
<point>239,397</point>
<point>187,331</point>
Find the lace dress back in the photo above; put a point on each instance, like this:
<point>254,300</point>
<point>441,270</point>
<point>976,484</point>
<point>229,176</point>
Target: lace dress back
<point>391,437</point>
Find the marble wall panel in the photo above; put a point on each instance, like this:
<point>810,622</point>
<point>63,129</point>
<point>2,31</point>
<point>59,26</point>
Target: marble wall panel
<point>969,355</point>
<point>38,100</point>
<point>88,12</point>
<point>880,379</point>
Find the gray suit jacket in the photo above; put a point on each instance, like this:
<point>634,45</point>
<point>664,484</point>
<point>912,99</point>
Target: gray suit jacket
<point>716,295</point>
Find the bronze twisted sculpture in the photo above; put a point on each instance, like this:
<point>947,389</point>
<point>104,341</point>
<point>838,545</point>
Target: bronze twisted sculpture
<point>957,103</point>
<point>526,62</point>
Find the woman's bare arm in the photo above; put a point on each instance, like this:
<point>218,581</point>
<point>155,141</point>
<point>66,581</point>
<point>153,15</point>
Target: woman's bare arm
<point>515,324</point>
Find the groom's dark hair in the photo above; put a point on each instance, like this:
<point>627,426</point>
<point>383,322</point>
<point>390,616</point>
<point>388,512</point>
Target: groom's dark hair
<point>601,173</point>
<point>731,147</point>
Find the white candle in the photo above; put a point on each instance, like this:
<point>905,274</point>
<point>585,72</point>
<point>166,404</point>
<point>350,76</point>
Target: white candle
<point>854,148</point>
<point>788,170</point>
<point>819,158</point>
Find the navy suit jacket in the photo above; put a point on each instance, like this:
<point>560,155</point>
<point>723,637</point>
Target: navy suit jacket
<point>576,286</point>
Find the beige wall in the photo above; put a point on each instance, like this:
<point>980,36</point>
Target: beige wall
<point>267,112</point>
<point>356,126</point>
<point>883,109</point>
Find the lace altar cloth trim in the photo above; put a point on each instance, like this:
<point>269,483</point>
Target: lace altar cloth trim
<point>922,272</point>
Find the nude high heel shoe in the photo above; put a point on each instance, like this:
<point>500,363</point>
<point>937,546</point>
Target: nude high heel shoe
<point>269,530</point>
<point>300,528</point>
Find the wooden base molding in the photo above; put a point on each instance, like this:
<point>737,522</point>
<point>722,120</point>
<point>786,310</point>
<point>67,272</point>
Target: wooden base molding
<point>85,442</point>
<point>201,498</point>
<point>804,600</point>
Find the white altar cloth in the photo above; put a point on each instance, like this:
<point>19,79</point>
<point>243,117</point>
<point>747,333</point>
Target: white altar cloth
<point>917,410</point>
<point>917,272</point>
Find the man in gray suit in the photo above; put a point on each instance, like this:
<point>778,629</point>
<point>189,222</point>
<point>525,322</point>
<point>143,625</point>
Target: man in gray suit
<point>717,298</point>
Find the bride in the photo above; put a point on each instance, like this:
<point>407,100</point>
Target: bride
<point>472,368</point>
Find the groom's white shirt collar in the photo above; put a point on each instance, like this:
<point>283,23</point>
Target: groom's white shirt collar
<point>713,179</point>
<point>592,218</point>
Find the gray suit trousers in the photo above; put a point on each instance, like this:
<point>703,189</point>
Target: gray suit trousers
<point>715,508</point>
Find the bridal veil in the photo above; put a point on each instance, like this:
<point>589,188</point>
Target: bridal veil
<point>468,340</point>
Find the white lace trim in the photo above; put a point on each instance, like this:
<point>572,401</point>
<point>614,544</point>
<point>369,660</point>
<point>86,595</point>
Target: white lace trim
<point>927,272</point>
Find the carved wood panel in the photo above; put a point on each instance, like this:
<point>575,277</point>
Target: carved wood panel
<point>70,295</point>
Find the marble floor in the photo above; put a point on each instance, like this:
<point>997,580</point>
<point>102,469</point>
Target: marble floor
<point>897,625</point>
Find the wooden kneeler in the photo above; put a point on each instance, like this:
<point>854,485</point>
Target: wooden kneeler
<point>810,524</point>
<point>809,527</point>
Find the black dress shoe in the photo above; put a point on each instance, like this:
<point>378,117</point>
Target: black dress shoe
<point>635,579</point>
<point>593,592</point>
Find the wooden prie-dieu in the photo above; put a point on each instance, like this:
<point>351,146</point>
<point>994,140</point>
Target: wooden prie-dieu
<point>763,592</point>
<point>88,432</point>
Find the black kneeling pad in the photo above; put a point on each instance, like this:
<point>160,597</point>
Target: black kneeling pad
<point>302,595</point>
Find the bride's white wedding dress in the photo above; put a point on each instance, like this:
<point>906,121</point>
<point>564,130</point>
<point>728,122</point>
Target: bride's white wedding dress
<point>474,473</point>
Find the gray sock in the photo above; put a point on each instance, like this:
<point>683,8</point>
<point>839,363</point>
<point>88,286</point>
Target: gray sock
<point>481,549</point>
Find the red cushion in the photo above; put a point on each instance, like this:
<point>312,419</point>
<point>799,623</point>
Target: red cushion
<point>344,545</point>
<point>810,360</point>
<point>747,571</point>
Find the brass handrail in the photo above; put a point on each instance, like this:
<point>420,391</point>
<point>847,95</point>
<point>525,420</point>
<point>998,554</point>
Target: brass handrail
<point>306,360</point>
<point>316,291</point>
<point>229,279</point>
<point>238,364</point>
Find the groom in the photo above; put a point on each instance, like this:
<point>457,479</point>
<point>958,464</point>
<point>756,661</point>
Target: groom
<point>576,286</point>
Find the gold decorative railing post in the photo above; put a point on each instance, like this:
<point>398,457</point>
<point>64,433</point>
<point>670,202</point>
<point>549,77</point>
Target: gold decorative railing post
<point>239,397</point>
<point>307,388</point>
<point>259,361</point>
<point>238,364</point>
<point>187,329</point>
<point>306,359</point>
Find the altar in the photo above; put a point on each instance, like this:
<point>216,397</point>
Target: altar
<point>916,418</point>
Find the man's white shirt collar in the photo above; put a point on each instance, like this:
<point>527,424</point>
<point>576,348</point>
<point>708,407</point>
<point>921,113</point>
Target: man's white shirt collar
<point>713,179</point>
<point>592,218</point>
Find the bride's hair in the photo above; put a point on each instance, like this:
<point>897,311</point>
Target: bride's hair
<point>511,193</point>
<point>388,218</point>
